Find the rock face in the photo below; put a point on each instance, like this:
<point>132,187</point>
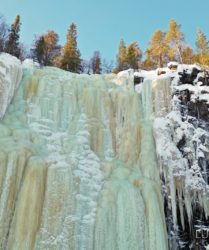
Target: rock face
<point>195,112</point>
<point>182,139</point>
<point>188,78</point>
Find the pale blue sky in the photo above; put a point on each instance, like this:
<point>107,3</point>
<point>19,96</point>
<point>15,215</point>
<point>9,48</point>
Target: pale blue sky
<point>101,23</point>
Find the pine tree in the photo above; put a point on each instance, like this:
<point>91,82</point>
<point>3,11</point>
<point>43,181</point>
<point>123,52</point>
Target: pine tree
<point>202,48</point>
<point>46,48</point>
<point>175,39</point>
<point>134,55</point>
<point>96,63</point>
<point>122,56</point>
<point>157,53</point>
<point>38,51</point>
<point>12,44</point>
<point>71,55</point>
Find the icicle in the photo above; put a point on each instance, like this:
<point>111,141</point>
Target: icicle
<point>180,188</point>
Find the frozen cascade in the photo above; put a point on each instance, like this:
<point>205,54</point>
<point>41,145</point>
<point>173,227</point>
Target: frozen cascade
<point>10,77</point>
<point>79,168</point>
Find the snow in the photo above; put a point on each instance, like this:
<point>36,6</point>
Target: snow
<point>146,74</point>
<point>153,74</point>
<point>29,64</point>
<point>123,76</point>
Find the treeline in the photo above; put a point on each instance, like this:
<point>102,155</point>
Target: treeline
<point>47,51</point>
<point>163,47</point>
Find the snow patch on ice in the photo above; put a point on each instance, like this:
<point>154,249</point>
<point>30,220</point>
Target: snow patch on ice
<point>29,64</point>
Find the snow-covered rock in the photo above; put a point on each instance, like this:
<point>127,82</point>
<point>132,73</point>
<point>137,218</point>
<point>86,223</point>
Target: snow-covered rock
<point>173,66</point>
<point>182,145</point>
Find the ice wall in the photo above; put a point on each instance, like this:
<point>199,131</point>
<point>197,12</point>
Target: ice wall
<point>78,168</point>
<point>10,77</point>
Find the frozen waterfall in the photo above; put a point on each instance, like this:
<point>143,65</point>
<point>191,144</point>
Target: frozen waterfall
<point>79,169</point>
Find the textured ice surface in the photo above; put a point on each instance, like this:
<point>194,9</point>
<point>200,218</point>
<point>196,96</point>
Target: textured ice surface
<point>10,77</point>
<point>78,164</point>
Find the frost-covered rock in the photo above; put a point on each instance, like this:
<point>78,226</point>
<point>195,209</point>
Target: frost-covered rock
<point>182,146</point>
<point>10,77</point>
<point>181,132</point>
